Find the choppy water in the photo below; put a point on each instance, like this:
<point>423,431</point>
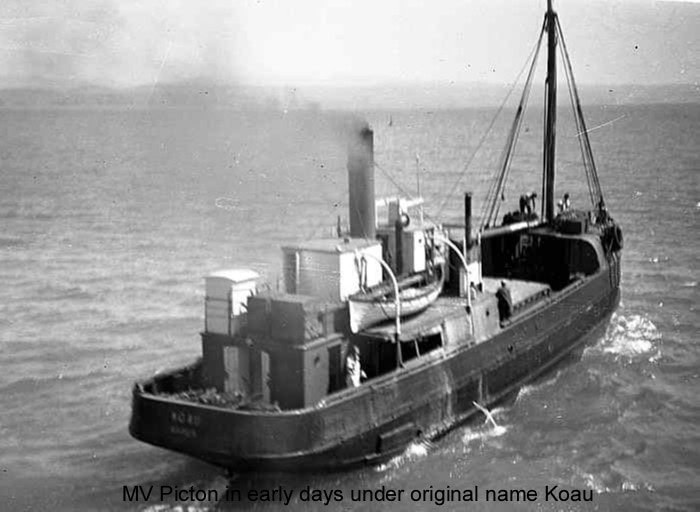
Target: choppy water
<point>111,218</point>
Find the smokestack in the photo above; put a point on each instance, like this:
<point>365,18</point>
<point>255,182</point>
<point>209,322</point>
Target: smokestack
<point>361,183</point>
<point>468,220</point>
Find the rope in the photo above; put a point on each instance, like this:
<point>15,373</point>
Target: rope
<point>402,189</point>
<point>579,113</point>
<point>578,130</point>
<point>492,204</point>
<point>393,181</point>
<point>322,221</point>
<point>488,130</point>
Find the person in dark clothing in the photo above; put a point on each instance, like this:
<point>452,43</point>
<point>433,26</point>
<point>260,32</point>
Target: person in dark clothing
<point>527,205</point>
<point>505,302</point>
<point>567,202</point>
<point>603,215</point>
<point>524,205</point>
<point>532,202</point>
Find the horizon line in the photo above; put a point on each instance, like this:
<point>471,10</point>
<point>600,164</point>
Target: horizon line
<point>195,82</point>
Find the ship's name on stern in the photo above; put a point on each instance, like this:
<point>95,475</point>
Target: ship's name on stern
<point>184,423</point>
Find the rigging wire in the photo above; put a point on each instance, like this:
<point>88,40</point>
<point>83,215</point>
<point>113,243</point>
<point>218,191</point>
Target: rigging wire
<point>486,133</point>
<point>492,204</point>
<point>579,112</point>
<point>515,130</point>
<point>393,181</point>
<point>494,189</point>
<point>578,129</point>
<point>401,189</point>
<point>543,211</point>
<point>322,222</point>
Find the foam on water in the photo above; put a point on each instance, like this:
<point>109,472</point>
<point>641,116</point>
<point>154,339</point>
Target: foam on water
<point>415,450</point>
<point>103,284</point>
<point>218,484</point>
<point>594,482</point>
<point>230,204</point>
<point>175,508</point>
<point>482,433</point>
<point>599,484</point>
<point>528,389</point>
<point>631,336</point>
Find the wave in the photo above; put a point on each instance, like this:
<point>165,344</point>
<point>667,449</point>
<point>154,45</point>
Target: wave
<point>176,508</point>
<point>528,389</point>
<point>34,385</point>
<point>482,434</point>
<point>30,212</point>
<point>217,486</point>
<point>415,450</point>
<point>63,291</point>
<point>611,482</point>
<point>631,336</point>
<point>12,242</point>
<point>230,204</point>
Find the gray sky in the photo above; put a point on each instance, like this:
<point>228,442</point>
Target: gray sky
<point>350,42</point>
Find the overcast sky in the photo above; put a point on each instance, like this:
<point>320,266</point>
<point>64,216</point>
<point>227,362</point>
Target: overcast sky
<point>358,42</point>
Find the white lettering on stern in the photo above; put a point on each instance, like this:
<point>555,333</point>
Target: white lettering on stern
<point>184,423</point>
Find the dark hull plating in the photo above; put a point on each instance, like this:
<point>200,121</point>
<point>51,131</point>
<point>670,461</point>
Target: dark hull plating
<point>370,424</point>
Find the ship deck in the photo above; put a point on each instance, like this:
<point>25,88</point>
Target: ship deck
<point>422,324</point>
<point>521,292</point>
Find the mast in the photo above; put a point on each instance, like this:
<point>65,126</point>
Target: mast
<point>550,112</point>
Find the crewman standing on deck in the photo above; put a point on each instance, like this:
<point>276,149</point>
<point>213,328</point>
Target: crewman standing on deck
<point>603,214</point>
<point>524,205</point>
<point>532,202</point>
<point>567,202</point>
<point>505,302</point>
<point>528,204</point>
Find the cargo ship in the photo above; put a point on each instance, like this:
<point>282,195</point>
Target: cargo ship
<point>398,330</point>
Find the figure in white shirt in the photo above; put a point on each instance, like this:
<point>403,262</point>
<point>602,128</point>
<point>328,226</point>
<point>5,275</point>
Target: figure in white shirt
<point>567,202</point>
<point>353,369</point>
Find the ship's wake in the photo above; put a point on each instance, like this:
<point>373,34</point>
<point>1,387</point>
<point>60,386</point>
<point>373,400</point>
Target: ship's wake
<point>610,482</point>
<point>217,487</point>
<point>415,450</point>
<point>631,336</point>
<point>528,389</point>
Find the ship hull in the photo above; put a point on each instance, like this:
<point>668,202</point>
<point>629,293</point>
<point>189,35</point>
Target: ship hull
<point>375,422</point>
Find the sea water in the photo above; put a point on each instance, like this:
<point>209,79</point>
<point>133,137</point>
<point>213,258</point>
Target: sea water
<point>111,218</point>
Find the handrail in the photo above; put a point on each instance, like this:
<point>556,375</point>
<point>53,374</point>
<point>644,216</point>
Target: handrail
<point>454,247</point>
<point>511,228</point>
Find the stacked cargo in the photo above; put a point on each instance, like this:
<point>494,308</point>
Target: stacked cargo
<point>330,269</point>
<point>295,319</point>
<point>226,294</point>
